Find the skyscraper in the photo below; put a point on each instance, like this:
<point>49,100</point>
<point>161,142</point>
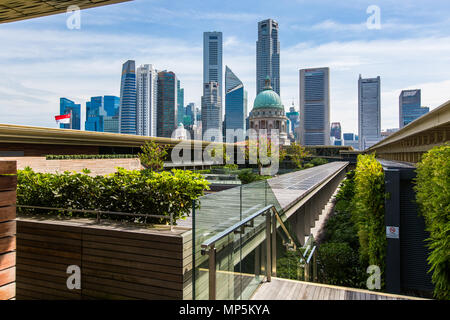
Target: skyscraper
<point>127,113</point>
<point>146,100</point>
<point>235,105</point>
<point>369,112</point>
<point>180,101</point>
<point>99,110</point>
<point>315,106</point>
<point>294,121</point>
<point>212,58</point>
<point>167,104</point>
<point>268,55</point>
<point>335,130</point>
<point>211,112</point>
<point>410,106</point>
<point>67,106</point>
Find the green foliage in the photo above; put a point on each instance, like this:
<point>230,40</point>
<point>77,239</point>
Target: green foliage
<point>338,264</point>
<point>433,196</point>
<point>289,267</point>
<point>153,155</point>
<point>89,156</point>
<point>296,153</point>
<point>368,211</point>
<point>318,161</point>
<point>248,176</point>
<point>308,165</point>
<point>141,192</point>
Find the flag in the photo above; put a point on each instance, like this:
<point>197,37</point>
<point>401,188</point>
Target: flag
<point>65,118</point>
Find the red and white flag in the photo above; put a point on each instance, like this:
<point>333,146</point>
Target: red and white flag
<point>65,118</point>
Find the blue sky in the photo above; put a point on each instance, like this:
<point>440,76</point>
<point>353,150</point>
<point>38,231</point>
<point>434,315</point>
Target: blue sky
<point>42,60</point>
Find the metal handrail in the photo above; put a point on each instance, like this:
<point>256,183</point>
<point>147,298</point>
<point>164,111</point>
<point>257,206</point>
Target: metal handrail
<point>311,248</point>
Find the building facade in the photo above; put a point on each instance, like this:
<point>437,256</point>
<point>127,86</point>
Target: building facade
<point>294,122</point>
<point>212,59</point>
<point>100,110</point>
<point>335,130</point>
<point>67,106</point>
<point>235,107</point>
<point>369,112</point>
<point>315,106</point>
<point>181,112</point>
<point>410,107</point>
<point>211,112</point>
<point>167,104</point>
<point>127,113</point>
<point>268,113</point>
<point>146,100</point>
<point>268,55</point>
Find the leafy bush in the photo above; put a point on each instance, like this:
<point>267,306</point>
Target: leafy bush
<point>368,213</point>
<point>153,155</point>
<point>89,156</point>
<point>338,264</point>
<point>433,196</point>
<point>318,161</point>
<point>247,176</point>
<point>296,153</point>
<point>288,266</point>
<point>141,192</point>
<point>308,165</point>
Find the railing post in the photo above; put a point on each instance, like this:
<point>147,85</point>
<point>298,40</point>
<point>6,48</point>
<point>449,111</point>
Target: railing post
<point>315,266</point>
<point>268,246</point>
<point>212,272</point>
<point>273,243</point>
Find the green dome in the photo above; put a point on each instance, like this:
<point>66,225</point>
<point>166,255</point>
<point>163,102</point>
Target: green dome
<point>268,99</point>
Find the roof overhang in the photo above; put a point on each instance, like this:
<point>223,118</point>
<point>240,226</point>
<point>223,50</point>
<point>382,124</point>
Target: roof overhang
<point>15,10</point>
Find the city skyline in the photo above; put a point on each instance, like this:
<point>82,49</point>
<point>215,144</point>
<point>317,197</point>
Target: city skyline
<point>342,43</point>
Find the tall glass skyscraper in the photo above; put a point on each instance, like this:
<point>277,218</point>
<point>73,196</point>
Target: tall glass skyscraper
<point>369,112</point>
<point>212,58</point>
<point>167,104</point>
<point>100,110</point>
<point>410,107</point>
<point>315,106</point>
<point>146,100</point>
<point>335,130</point>
<point>211,112</point>
<point>180,101</point>
<point>268,55</point>
<point>67,106</point>
<point>294,121</point>
<point>235,106</point>
<point>127,113</point>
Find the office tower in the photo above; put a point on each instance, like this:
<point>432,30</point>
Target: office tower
<point>350,139</point>
<point>211,112</point>
<point>146,100</point>
<point>167,104</point>
<point>315,106</point>
<point>294,121</point>
<point>127,113</point>
<point>67,106</point>
<point>335,130</point>
<point>268,55</point>
<point>180,101</point>
<point>212,59</point>
<point>369,114</point>
<point>191,113</point>
<point>410,107</point>
<point>235,105</point>
<point>101,109</point>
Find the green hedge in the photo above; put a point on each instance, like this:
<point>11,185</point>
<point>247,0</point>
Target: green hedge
<point>368,212</point>
<point>142,192</point>
<point>89,156</point>
<point>433,197</point>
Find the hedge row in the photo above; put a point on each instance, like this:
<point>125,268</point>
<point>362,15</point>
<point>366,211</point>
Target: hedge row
<point>368,213</point>
<point>89,156</point>
<point>128,191</point>
<point>433,197</point>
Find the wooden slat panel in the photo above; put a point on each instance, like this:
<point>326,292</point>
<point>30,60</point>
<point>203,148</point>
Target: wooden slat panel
<point>49,252</point>
<point>23,228</point>
<point>7,229</point>
<point>53,245</point>
<point>7,198</point>
<point>7,213</point>
<point>8,167</point>
<point>7,276</point>
<point>8,291</point>
<point>40,240</point>
<point>8,183</point>
<point>7,260</point>
<point>7,244</point>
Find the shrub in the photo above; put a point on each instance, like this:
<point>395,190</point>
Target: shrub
<point>433,197</point>
<point>338,265</point>
<point>288,266</point>
<point>318,161</point>
<point>247,176</point>
<point>368,211</point>
<point>141,192</point>
<point>296,153</point>
<point>153,155</point>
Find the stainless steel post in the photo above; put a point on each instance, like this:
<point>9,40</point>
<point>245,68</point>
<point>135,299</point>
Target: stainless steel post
<point>212,273</point>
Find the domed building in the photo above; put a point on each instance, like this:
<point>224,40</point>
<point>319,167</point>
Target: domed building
<point>268,113</point>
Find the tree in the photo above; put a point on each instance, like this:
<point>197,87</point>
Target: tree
<point>263,151</point>
<point>153,155</point>
<point>297,154</point>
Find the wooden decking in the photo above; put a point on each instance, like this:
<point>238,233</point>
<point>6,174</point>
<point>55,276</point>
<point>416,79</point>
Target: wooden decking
<point>284,289</point>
